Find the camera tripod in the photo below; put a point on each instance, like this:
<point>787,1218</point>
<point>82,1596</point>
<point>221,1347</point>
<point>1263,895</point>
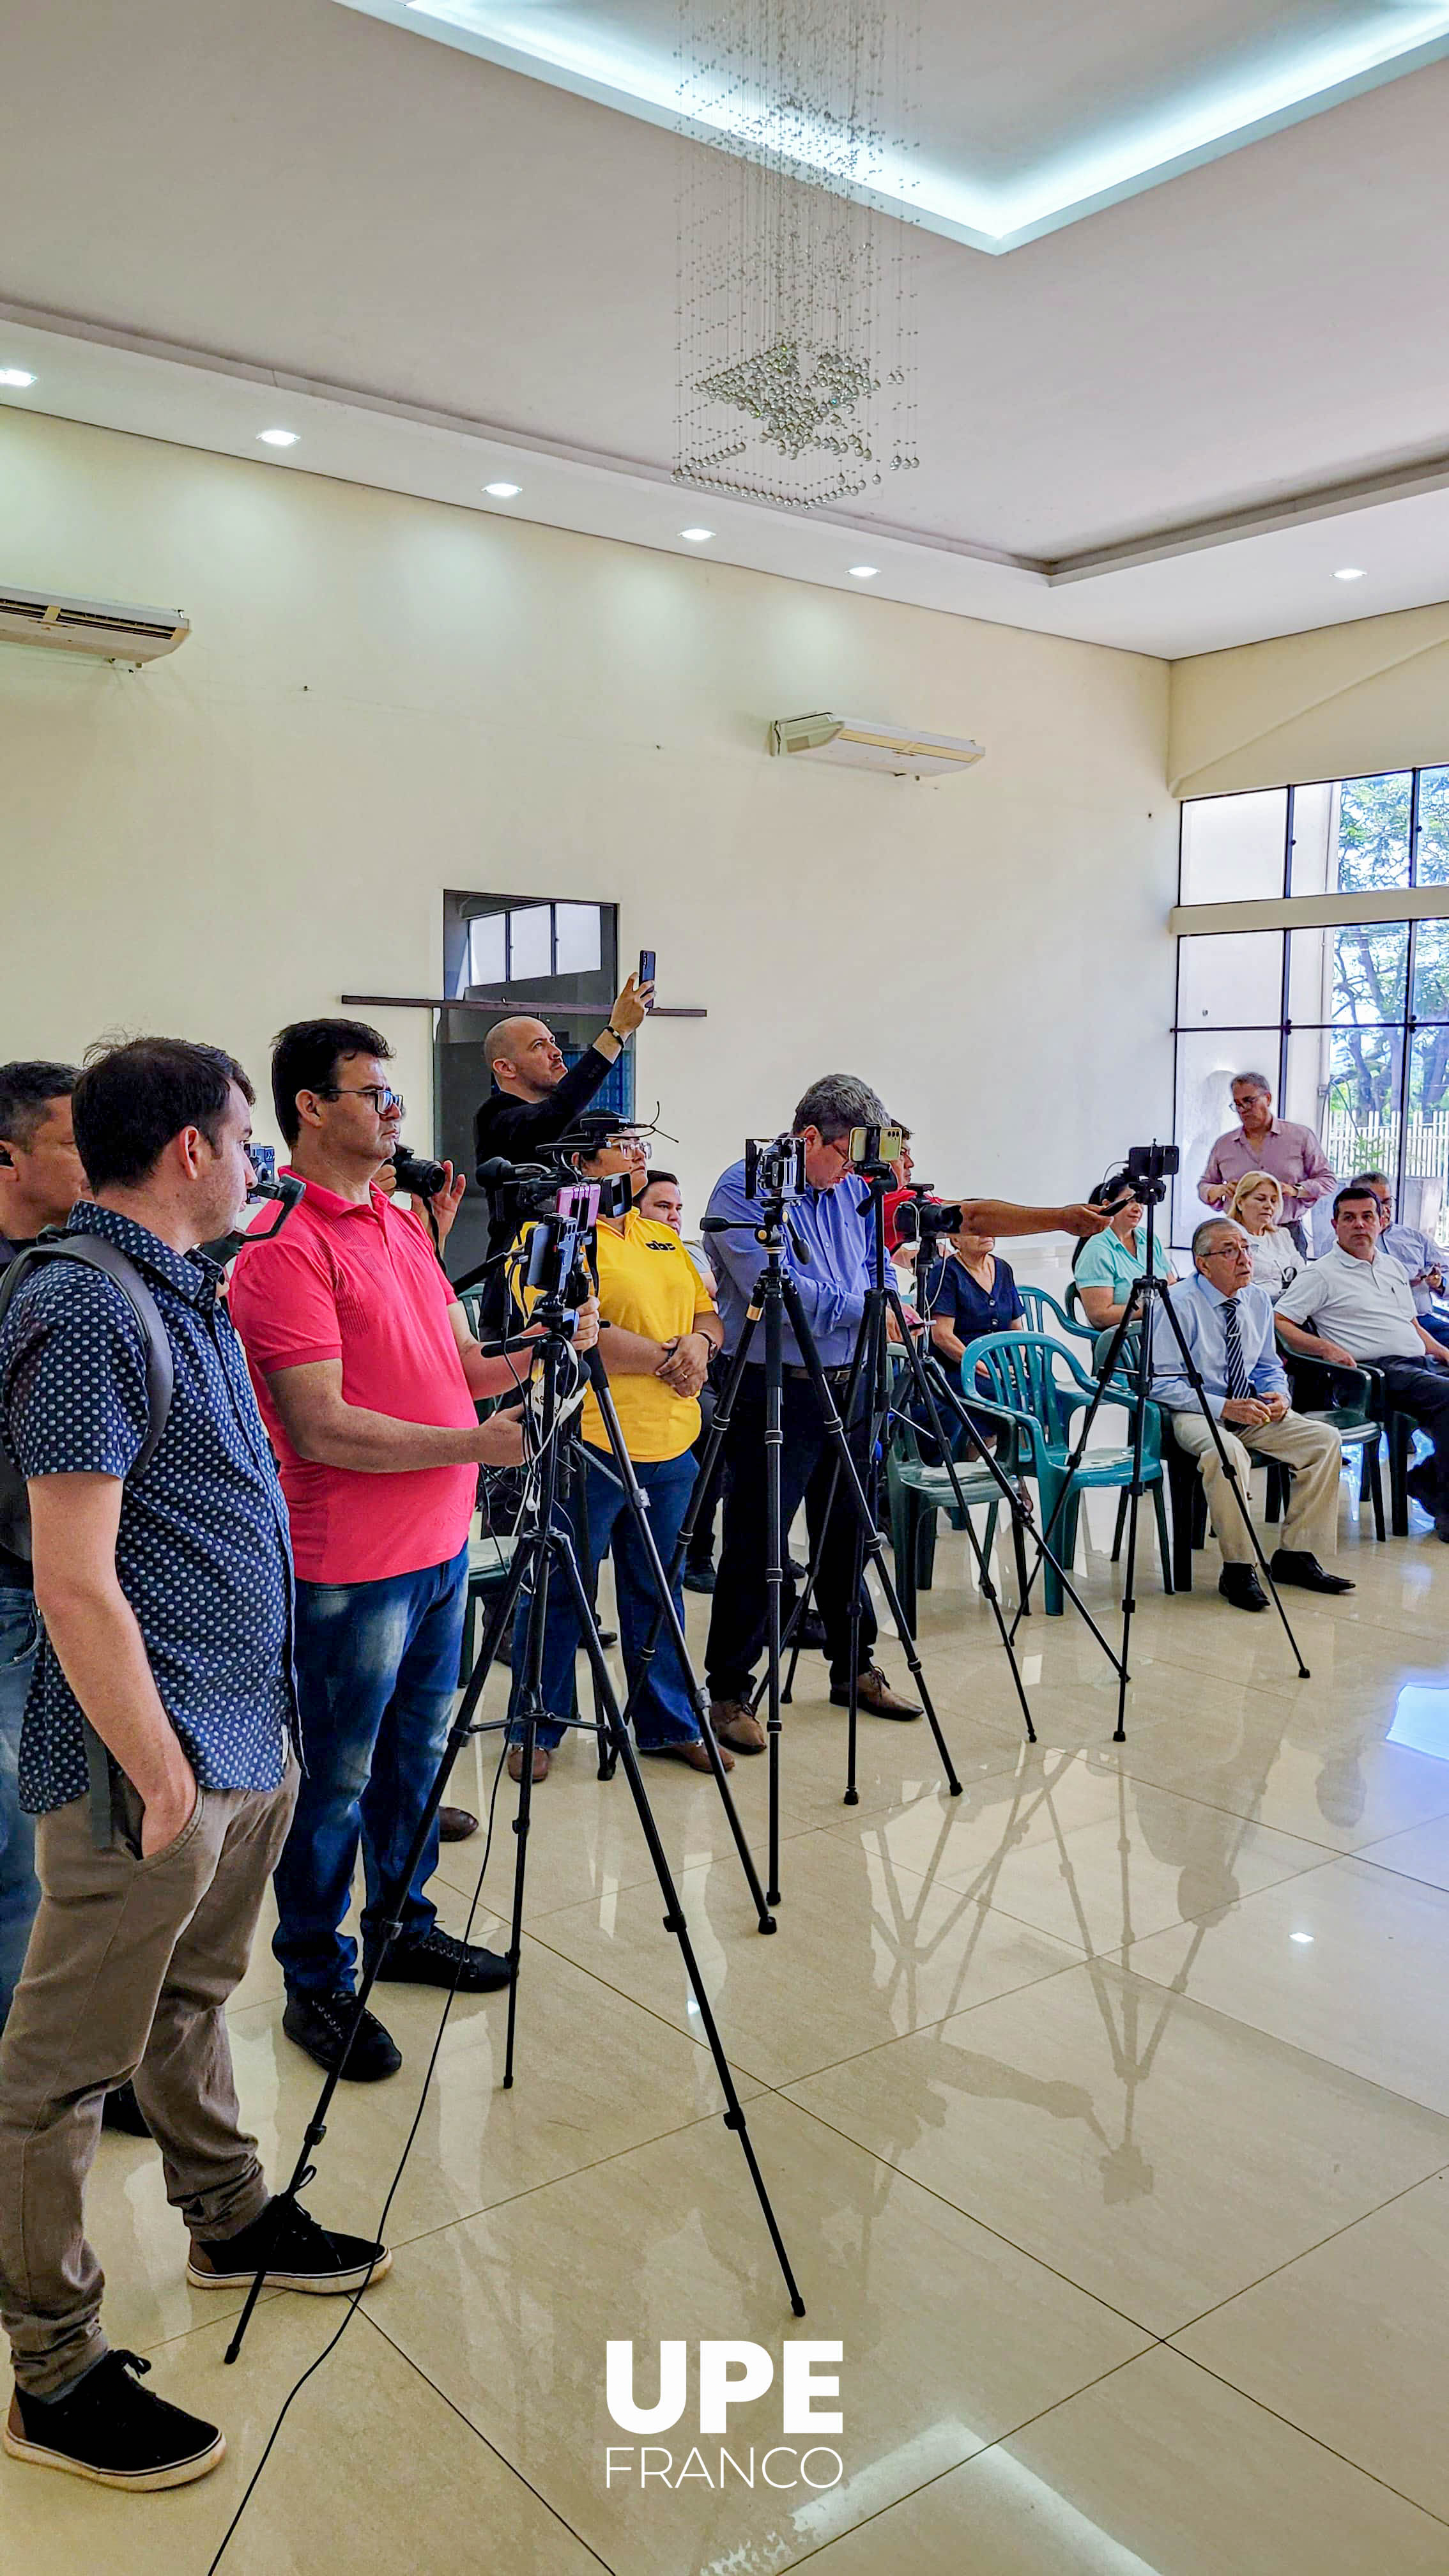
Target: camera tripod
<point>544,1548</point>
<point>872,1366</point>
<point>1151,1293</point>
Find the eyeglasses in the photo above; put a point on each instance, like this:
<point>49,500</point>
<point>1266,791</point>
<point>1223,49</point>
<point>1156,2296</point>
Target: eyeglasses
<point>378,1093</point>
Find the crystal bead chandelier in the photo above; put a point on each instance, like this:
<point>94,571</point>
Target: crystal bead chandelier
<point>796,298</point>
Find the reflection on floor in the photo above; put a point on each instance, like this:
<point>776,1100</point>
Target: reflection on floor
<point>1105,2107</point>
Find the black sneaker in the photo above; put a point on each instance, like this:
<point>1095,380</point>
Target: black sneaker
<point>121,2110</point>
<point>321,2024</point>
<point>436,1958</point>
<point>113,2432</point>
<point>299,2255</point>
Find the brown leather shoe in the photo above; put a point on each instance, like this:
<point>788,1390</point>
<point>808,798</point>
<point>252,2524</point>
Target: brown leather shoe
<point>540,1762</point>
<point>692,1752</point>
<point>874,1694</point>
<point>732,1724</point>
<point>455,1824</point>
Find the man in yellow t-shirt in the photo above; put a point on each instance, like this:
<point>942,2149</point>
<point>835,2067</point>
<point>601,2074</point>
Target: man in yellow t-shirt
<point>657,1330</point>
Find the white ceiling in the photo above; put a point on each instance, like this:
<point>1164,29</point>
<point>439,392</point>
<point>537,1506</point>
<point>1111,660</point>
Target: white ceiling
<point>1218,392</point>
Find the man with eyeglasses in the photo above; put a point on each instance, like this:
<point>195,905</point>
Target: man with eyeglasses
<point>368,1377</point>
<point>1227,1325</point>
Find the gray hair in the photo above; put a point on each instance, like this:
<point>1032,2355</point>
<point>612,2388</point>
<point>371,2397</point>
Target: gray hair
<point>1251,1082</point>
<point>1214,1225</point>
<point>838,1102</point>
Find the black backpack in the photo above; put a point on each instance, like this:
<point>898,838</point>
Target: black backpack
<point>160,1384</point>
<point>160,1368</point>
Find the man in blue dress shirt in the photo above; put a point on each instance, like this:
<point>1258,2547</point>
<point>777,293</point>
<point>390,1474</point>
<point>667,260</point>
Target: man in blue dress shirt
<point>1227,1325</point>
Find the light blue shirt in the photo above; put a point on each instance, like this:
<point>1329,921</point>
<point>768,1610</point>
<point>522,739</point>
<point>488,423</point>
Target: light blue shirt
<point>1416,1252</point>
<point>1107,1262</point>
<point>832,1282</point>
<point>1198,1307</point>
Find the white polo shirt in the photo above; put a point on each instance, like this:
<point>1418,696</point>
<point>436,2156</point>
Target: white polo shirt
<point>1366,1305</point>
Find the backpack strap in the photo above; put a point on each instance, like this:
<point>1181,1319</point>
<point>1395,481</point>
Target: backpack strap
<point>98,1254</point>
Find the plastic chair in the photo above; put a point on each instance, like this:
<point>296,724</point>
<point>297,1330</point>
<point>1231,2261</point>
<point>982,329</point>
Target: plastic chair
<point>1044,1315</point>
<point>917,1491</point>
<point>1023,1375</point>
<point>1344,1397</point>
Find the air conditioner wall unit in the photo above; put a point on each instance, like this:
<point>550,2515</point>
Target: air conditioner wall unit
<point>115,630</point>
<point>856,742</point>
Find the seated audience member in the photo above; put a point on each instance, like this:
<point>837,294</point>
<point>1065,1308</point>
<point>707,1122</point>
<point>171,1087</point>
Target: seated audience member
<point>657,1332</point>
<point>1356,1304</point>
<point>662,1199</point>
<point>368,1377</point>
<point>157,1758</point>
<point>40,1181</point>
<point>1108,1267</point>
<point>1420,1257</point>
<point>1257,1206</point>
<point>1227,1325</point>
<point>969,1293</point>
<point>1262,1143</point>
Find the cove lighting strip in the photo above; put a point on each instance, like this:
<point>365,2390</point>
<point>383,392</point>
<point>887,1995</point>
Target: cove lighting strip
<point>559,48</point>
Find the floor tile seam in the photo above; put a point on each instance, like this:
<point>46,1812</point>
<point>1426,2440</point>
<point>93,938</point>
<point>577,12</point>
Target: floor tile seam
<point>1290,1875</point>
<point>988,2228</point>
<point>207,2325</point>
<point>662,2019</point>
<point>550,2182</point>
<point>1319,2444</point>
<point>1313,2056</point>
<point>954,2012</point>
<point>510,2466</point>
<point>1335,1851</point>
<point>1305,2253</point>
<point>998,2442</point>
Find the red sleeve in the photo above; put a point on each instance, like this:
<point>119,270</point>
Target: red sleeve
<point>283,1302</point>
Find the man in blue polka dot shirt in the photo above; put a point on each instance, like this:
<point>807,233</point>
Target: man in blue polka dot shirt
<point>155,1756</point>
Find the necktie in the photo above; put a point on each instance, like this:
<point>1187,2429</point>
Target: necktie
<point>1239,1382</point>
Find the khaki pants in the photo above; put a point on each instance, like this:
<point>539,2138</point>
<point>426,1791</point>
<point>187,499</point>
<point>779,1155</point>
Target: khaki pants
<point>1310,1449</point>
<point>129,1966</point>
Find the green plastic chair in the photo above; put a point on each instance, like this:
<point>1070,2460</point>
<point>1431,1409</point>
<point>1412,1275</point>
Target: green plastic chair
<point>917,1491</point>
<point>1024,1375</point>
<point>1044,1315</point>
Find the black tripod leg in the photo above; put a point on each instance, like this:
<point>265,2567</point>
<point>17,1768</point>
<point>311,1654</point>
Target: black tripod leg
<point>674,1921</point>
<point>1104,1375</point>
<point>316,2129</point>
<point>699,1697</point>
<point>1129,1602</point>
<point>856,1497</point>
<point>917,1367</point>
<point>774,1574</point>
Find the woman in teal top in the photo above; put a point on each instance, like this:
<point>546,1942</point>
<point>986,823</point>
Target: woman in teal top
<point>1108,1267</point>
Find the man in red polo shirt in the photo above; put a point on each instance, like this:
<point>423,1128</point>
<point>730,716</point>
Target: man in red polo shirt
<point>367,1375</point>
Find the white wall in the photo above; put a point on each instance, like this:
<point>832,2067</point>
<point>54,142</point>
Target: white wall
<point>1340,702</point>
<point>383,697</point>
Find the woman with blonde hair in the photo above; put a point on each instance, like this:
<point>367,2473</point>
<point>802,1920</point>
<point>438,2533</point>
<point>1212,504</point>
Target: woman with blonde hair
<point>1257,1206</point>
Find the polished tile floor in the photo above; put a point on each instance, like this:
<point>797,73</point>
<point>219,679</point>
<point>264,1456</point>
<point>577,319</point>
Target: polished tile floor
<point>1105,2108</point>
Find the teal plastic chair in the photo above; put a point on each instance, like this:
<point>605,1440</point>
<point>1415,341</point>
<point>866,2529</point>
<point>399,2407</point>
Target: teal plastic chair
<point>1041,1387</point>
<point>1044,1315</point>
<point>917,1491</point>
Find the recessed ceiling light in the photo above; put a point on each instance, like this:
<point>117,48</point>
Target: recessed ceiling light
<point>1300,1936</point>
<point>503,491</point>
<point>277,437</point>
<point>696,536</point>
<point>1350,572</point>
<point>16,376</point>
<point>863,572</point>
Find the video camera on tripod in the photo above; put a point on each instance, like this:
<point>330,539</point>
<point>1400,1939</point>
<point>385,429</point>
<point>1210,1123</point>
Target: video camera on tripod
<point>561,1210</point>
<point>1144,1176</point>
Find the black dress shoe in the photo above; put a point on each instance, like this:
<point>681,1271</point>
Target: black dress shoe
<point>320,2024</point>
<point>1297,1565</point>
<point>436,1958</point>
<point>455,1824</point>
<point>121,2110</point>
<point>1240,1585</point>
<point>700,1577</point>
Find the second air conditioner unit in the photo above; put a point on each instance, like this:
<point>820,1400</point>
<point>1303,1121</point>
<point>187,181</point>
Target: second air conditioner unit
<point>112,629</point>
<point>856,742</point>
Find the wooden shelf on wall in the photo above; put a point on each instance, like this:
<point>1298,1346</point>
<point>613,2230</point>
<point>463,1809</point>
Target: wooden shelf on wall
<point>500,1002</point>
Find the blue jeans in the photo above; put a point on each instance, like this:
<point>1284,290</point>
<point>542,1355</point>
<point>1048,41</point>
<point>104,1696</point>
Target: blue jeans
<point>19,1891</point>
<point>377,1669</point>
<point>663,1712</point>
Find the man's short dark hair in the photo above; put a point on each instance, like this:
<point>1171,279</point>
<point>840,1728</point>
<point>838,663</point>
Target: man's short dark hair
<point>133,1098</point>
<point>1352,1190</point>
<point>305,1057</point>
<point>27,1089</point>
<point>1368,1181</point>
<point>671,1179</point>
